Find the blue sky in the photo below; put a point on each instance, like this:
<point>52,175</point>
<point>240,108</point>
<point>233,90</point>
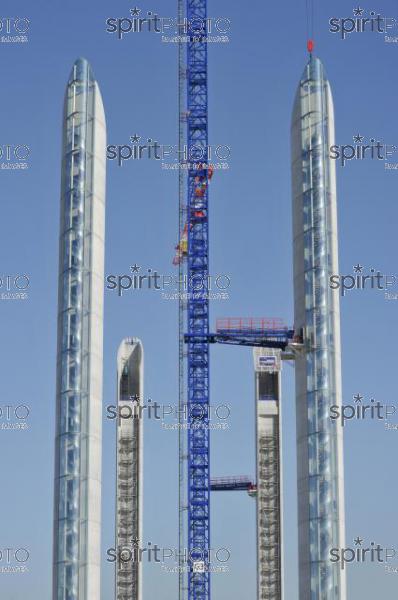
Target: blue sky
<point>252,84</point>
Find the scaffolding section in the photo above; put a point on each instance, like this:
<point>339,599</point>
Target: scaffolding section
<point>129,471</point>
<point>267,363</point>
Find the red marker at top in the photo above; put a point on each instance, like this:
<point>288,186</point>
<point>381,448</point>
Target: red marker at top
<point>310,45</point>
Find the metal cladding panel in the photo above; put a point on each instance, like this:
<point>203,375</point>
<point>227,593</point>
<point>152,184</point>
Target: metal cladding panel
<point>77,497</point>
<point>318,372</point>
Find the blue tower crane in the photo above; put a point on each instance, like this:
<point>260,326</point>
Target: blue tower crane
<point>198,306</point>
<point>198,338</point>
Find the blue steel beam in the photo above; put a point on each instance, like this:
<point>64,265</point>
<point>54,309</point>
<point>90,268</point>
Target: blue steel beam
<point>198,307</point>
<point>239,340</point>
<point>265,339</point>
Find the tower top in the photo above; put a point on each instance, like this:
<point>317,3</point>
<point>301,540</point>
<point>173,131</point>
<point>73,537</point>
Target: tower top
<point>81,71</point>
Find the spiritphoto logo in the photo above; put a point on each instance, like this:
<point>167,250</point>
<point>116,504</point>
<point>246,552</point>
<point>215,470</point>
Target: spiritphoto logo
<point>360,150</point>
<point>170,156</point>
<point>14,287</point>
<point>364,554</point>
<point>196,416</point>
<point>14,157</point>
<point>361,410</point>
<point>168,285</point>
<point>14,561</point>
<point>373,281</point>
<point>172,417</point>
<point>171,29</point>
<point>14,417</point>
<point>363,21</point>
<point>196,559</point>
<point>14,30</point>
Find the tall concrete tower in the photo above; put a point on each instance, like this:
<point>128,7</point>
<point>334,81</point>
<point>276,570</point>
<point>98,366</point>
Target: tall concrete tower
<point>267,367</point>
<point>316,310</point>
<point>129,483</point>
<point>77,498</point>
